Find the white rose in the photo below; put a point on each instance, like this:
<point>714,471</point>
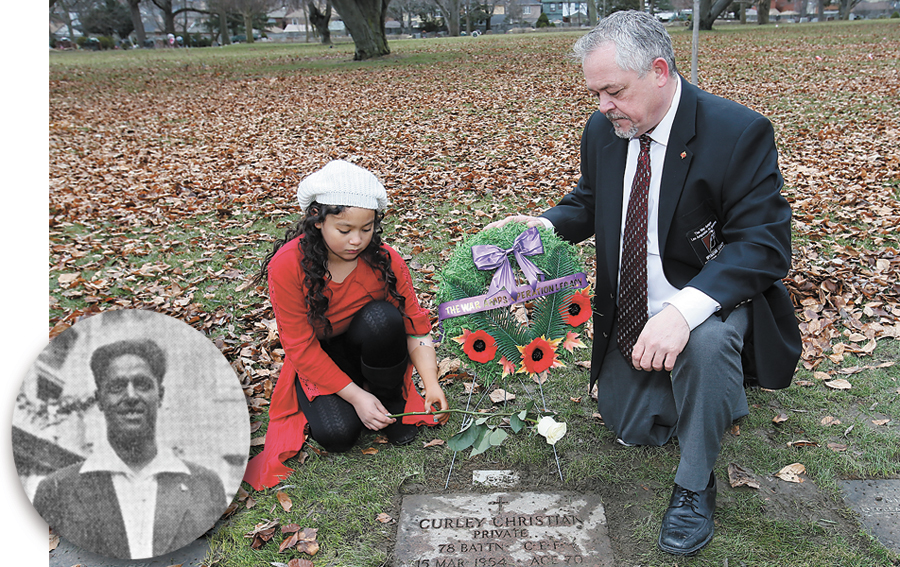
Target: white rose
<point>551,429</point>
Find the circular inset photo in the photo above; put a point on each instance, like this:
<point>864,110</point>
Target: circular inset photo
<point>131,434</point>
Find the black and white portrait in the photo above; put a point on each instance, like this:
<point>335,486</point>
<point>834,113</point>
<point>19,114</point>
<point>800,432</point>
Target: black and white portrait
<point>131,434</point>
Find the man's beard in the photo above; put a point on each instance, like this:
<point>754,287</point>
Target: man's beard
<point>624,134</point>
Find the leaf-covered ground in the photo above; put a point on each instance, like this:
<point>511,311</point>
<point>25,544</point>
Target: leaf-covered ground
<point>171,171</point>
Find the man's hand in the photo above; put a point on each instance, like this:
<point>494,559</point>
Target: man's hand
<point>661,341</point>
<point>527,220</point>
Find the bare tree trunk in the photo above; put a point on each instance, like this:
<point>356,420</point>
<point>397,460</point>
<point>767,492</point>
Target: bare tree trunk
<point>248,26</point>
<point>165,6</point>
<point>820,11</point>
<point>592,13</point>
<point>450,9</point>
<point>306,18</point>
<point>136,21</point>
<point>762,13</point>
<point>365,22</point>
<point>468,17</point>
<point>709,11</point>
<point>321,20</point>
<point>223,26</point>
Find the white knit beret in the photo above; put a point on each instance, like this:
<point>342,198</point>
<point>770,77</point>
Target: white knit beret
<point>342,183</point>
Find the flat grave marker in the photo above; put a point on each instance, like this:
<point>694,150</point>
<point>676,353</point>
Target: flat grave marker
<point>510,529</point>
<point>878,504</point>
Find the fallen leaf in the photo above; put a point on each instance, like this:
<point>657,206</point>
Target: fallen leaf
<point>433,443</point>
<point>447,366</point>
<point>791,473</point>
<point>780,418</point>
<point>829,420</point>
<point>308,547</point>
<point>802,443</point>
<point>284,500</point>
<point>576,400</point>
<point>881,421</point>
<point>839,384</point>
<point>738,476</point>
<point>837,447</point>
<point>54,541</point>
<point>257,441</point>
<point>381,439</point>
<point>290,528</point>
<point>821,375</point>
<point>249,502</point>
<point>296,562</point>
<point>736,430</point>
<point>383,518</point>
<point>370,451</point>
<point>288,542</point>
<point>261,533</point>
<point>540,378</point>
<point>68,278</point>
<point>500,395</point>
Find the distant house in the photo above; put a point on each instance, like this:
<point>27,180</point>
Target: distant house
<point>871,10</point>
<point>516,12</point>
<point>565,13</point>
<point>276,19</point>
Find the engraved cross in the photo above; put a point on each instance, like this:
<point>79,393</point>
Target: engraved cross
<point>499,502</point>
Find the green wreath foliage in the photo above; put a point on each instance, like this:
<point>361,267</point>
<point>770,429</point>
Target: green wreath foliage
<point>461,279</point>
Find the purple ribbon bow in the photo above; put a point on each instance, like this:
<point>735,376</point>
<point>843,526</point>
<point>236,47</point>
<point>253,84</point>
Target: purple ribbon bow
<point>489,257</point>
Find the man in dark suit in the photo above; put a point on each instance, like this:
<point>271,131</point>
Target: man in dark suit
<point>688,301</point>
<point>130,499</point>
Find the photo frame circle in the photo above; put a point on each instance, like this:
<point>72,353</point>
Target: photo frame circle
<point>131,434</point>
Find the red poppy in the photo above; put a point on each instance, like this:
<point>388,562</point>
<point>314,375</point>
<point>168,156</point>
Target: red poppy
<point>539,355</point>
<point>577,310</point>
<point>478,346</point>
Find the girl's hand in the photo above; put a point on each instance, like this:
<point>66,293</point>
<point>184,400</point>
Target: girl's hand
<point>371,412</point>
<point>436,400</point>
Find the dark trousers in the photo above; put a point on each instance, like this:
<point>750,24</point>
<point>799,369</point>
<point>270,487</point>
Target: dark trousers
<point>696,402</point>
<point>373,353</point>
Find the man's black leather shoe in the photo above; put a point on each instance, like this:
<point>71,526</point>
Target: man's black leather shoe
<point>688,522</point>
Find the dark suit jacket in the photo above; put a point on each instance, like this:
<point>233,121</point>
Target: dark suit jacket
<point>724,227</point>
<point>83,509</point>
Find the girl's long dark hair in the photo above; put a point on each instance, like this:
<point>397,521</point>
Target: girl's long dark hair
<point>315,256</point>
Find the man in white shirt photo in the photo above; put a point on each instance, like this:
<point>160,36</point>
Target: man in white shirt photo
<point>131,498</point>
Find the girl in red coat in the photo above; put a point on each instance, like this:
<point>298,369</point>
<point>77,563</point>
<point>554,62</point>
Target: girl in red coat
<point>350,325</point>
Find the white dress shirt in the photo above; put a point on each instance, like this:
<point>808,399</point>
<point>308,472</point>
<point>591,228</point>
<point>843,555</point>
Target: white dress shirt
<point>135,491</point>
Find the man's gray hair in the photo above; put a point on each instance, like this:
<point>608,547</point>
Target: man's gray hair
<point>639,39</point>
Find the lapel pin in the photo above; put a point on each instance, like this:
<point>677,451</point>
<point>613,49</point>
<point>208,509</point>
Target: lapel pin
<point>683,155</point>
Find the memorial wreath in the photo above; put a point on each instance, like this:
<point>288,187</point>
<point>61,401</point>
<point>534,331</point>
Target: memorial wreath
<point>506,328</point>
